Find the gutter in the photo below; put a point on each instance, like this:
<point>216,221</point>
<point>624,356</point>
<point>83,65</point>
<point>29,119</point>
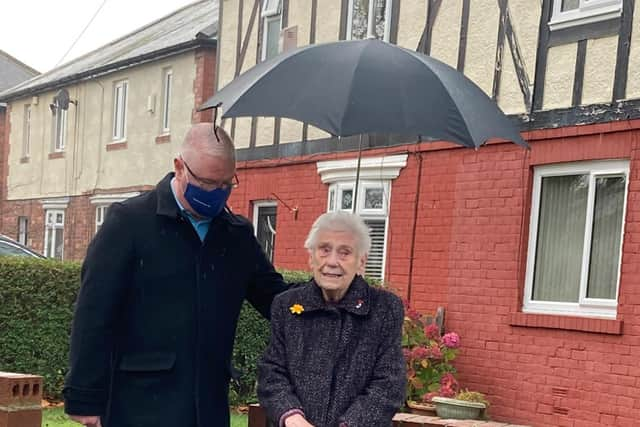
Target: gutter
<point>111,68</point>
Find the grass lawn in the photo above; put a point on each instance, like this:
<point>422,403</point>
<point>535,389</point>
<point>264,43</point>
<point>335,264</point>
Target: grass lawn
<point>55,417</point>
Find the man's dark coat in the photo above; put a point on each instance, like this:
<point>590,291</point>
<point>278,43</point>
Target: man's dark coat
<point>156,315</point>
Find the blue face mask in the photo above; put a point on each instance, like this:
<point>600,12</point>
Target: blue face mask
<point>206,203</point>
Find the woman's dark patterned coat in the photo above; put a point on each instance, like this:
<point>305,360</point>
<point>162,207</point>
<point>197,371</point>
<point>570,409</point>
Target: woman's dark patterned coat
<point>338,363</point>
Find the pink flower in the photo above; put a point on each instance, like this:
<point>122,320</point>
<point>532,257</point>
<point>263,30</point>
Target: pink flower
<point>420,353</point>
<point>406,353</point>
<point>435,352</point>
<point>451,340</point>
<point>428,396</point>
<point>432,331</point>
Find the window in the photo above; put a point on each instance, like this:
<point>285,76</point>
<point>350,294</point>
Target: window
<point>23,229</point>
<point>59,128</point>
<point>264,223</point>
<point>373,198</point>
<point>372,207</point>
<point>101,212</point>
<point>272,24</point>
<point>26,133</point>
<point>120,110</point>
<point>54,233</point>
<point>575,238</point>
<point>369,19</point>
<point>570,13</point>
<point>166,101</point>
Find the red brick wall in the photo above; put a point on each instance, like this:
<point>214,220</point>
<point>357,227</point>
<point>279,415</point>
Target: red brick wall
<point>204,82</point>
<point>470,255</point>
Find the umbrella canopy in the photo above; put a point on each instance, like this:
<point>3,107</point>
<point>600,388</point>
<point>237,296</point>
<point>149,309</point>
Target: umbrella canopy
<point>367,86</point>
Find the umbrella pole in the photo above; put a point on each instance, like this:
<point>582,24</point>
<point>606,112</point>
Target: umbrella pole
<point>355,191</point>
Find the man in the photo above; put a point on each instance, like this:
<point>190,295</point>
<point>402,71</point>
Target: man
<point>335,355</point>
<point>162,287</point>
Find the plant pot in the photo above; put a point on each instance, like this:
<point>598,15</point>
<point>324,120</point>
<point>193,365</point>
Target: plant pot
<point>458,409</point>
<point>421,408</point>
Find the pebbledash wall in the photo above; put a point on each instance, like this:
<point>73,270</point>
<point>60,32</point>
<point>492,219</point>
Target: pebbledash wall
<point>80,210</point>
<point>470,211</point>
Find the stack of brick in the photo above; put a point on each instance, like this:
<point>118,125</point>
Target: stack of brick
<point>20,400</point>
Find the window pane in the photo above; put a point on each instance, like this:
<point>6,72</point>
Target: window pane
<point>48,242</point>
<point>59,242</point>
<point>380,15</point>
<point>359,19</point>
<point>273,36</point>
<point>373,198</point>
<point>560,240</point>
<point>569,5</point>
<point>59,218</point>
<point>605,238</point>
<point>375,261</point>
<point>266,229</point>
<point>347,199</point>
<point>166,106</point>
<point>332,202</point>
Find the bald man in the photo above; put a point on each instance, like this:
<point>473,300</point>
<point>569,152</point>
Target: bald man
<point>162,286</point>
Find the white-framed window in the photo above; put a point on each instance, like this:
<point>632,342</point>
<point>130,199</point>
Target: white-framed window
<point>167,85</point>
<point>373,198</point>
<point>54,233</point>
<point>120,90</point>
<point>26,133</point>
<point>59,128</point>
<point>575,238</point>
<point>23,229</point>
<point>101,212</point>
<point>103,201</point>
<point>570,13</point>
<point>369,19</point>
<point>264,225</point>
<point>272,24</point>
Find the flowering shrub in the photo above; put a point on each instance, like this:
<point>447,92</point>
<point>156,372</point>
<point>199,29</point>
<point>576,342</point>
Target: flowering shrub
<point>428,356</point>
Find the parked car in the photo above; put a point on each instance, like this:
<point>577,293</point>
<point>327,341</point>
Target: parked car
<point>9,246</point>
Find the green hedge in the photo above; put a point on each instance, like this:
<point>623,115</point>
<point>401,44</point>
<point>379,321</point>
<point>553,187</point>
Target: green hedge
<point>36,308</point>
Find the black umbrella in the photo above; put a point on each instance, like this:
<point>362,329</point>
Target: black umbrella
<point>368,86</point>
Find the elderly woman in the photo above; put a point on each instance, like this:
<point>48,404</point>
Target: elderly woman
<point>335,356</point>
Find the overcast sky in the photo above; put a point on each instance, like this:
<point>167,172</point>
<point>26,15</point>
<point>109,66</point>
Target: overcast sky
<point>39,32</point>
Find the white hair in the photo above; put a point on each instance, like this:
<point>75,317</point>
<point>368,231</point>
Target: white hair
<point>340,221</point>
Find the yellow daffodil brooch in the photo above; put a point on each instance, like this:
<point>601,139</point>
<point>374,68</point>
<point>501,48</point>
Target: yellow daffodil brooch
<point>296,309</point>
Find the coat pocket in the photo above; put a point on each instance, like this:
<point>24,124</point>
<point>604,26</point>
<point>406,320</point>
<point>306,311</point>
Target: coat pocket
<point>147,362</point>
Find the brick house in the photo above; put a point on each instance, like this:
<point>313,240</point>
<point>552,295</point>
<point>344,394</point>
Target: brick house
<point>534,254</point>
<point>102,128</point>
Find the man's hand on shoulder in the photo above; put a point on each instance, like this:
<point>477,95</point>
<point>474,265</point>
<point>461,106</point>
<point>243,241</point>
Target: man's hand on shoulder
<point>89,421</point>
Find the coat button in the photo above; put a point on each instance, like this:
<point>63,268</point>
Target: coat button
<point>213,267</point>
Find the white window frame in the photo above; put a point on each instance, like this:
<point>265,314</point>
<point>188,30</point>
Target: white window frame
<point>167,86</point>
<point>120,100</point>
<point>51,228</point>
<point>370,18</point>
<point>375,172</point>
<point>588,307</point>
<point>105,200</point>
<point>26,133</point>
<point>59,129</point>
<point>101,212</point>
<point>271,11</point>
<point>588,11</point>
<point>256,213</point>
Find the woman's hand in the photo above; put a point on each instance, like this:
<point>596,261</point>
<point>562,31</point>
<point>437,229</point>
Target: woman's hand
<point>296,420</point>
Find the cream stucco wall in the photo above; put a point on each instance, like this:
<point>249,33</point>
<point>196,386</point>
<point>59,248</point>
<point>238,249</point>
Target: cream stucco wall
<point>446,32</point>
<point>599,70</point>
<point>413,16</point>
<point>87,165</point>
<point>558,85</point>
<point>633,82</point>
